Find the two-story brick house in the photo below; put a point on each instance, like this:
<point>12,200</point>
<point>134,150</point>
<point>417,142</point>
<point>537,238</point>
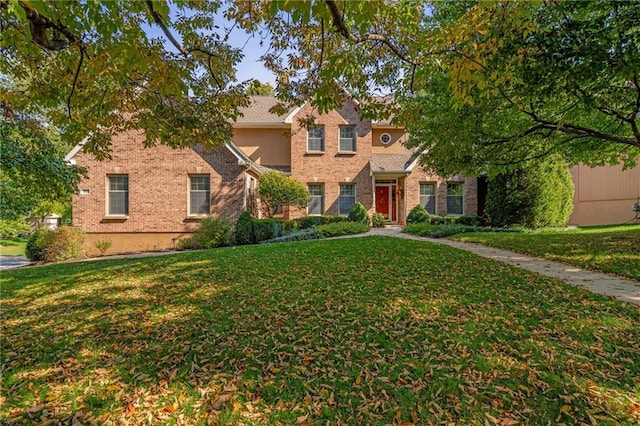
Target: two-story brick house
<point>147,198</point>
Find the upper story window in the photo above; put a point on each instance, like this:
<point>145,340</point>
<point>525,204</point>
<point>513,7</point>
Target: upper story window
<point>316,205</point>
<point>347,198</point>
<point>315,139</point>
<point>347,139</point>
<point>118,200</point>
<point>454,198</point>
<point>199,195</point>
<point>428,197</point>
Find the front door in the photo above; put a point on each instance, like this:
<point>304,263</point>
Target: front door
<point>382,200</point>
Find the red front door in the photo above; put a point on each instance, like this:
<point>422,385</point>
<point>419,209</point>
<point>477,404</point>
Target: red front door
<point>382,200</point>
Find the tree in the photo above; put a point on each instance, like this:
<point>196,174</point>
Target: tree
<point>260,89</point>
<point>33,174</point>
<point>536,195</point>
<point>503,81</point>
<point>278,190</point>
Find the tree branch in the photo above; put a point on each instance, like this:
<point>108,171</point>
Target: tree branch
<point>341,27</point>
<point>39,24</point>
<point>75,81</point>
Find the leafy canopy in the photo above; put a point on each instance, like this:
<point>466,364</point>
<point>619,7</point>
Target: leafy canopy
<point>479,85</point>
<point>278,190</point>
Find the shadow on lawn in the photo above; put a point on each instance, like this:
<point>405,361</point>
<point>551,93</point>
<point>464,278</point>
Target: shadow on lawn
<point>252,334</point>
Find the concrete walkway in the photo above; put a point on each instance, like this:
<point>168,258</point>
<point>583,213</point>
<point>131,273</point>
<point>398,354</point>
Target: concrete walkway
<point>10,262</point>
<point>624,289</point>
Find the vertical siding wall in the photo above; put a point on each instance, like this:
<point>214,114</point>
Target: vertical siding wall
<point>604,195</point>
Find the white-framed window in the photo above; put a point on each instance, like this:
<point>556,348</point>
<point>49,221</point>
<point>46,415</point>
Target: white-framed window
<point>347,139</point>
<point>118,199</point>
<point>454,198</point>
<point>316,205</point>
<point>385,138</point>
<point>199,195</point>
<point>315,139</point>
<point>347,198</point>
<point>428,197</point>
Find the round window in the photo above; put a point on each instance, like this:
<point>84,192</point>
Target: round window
<point>385,138</point>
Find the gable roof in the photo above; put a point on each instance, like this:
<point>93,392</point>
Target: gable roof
<point>394,163</point>
<point>257,113</point>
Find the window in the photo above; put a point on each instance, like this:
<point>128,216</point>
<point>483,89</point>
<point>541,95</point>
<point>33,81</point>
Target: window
<point>347,139</point>
<point>315,140</point>
<point>454,198</point>
<point>428,197</point>
<point>118,195</point>
<point>316,206</point>
<point>347,198</point>
<point>199,195</point>
<point>385,138</point>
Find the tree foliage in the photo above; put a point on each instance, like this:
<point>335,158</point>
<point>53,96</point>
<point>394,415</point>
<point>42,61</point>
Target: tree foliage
<point>479,85</point>
<point>537,195</point>
<point>278,190</point>
<point>33,175</point>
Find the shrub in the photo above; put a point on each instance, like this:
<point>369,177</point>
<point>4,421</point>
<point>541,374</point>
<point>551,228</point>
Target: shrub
<point>277,190</point>
<point>441,231</point>
<point>244,229</point>
<point>470,220</point>
<point>418,215</point>
<point>297,235</point>
<point>312,221</point>
<point>378,220</point>
<point>186,244</point>
<point>436,220</point>
<point>214,232</point>
<point>342,228</point>
<point>266,229</point>
<point>34,250</point>
<point>64,242</point>
<point>537,195</point>
<point>359,214</point>
<point>103,245</point>
<point>13,228</point>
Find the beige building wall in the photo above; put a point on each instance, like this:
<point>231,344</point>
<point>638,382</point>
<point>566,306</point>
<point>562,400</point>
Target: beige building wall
<point>604,195</point>
<point>267,147</point>
<point>398,136</point>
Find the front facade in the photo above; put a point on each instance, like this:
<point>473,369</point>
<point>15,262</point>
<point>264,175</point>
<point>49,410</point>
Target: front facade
<point>147,198</point>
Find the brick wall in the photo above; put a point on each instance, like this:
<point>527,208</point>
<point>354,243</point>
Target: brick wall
<point>412,191</point>
<point>332,168</point>
<point>158,186</point>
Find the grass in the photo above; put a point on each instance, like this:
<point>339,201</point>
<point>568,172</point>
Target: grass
<point>12,246</point>
<point>613,249</point>
<point>368,330</point>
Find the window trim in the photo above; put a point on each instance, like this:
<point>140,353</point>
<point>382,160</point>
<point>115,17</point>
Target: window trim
<point>435,196</point>
<point>355,196</point>
<point>108,213</point>
<point>323,140</point>
<point>355,139</point>
<point>321,185</point>
<point>382,135</point>
<point>461,184</point>
<point>189,190</point>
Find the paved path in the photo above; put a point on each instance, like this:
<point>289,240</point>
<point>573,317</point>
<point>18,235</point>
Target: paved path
<point>624,289</point>
<point>10,262</point>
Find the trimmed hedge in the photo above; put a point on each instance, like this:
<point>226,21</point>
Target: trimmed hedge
<point>266,229</point>
<point>446,230</point>
<point>359,214</point>
<point>342,228</point>
<point>418,215</point>
<point>244,229</point>
<point>312,221</point>
<point>297,235</point>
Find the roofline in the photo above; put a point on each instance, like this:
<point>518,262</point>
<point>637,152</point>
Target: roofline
<point>263,125</point>
<point>391,172</point>
<point>69,157</point>
<point>411,166</point>
<point>243,159</point>
<point>289,118</point>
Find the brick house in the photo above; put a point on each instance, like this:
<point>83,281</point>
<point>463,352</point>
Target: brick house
<point>147,198</point>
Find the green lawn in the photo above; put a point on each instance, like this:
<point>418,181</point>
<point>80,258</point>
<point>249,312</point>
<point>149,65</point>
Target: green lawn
<point>13,247</point>
<point>613,249</point>
<point>351,331</point>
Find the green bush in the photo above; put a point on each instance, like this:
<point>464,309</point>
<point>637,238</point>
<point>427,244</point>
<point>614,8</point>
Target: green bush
<point>312,221</point>
<point>278,190</point>
<point>214,232</point>
<point>63,243</point>
<point>446,230</point>
<point>418,215</point>
<point>359,214</point>
<point>378,220</point>
<point>13,228</point>
<point>342,228</point>
<point>469,220</point>
<point>186,244</point>
<point>244,229</point>
<point>103,245</point>
<point>297,235</point>
<point>266,229</point>
<point>537,195</point>
<point>34,250</point>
